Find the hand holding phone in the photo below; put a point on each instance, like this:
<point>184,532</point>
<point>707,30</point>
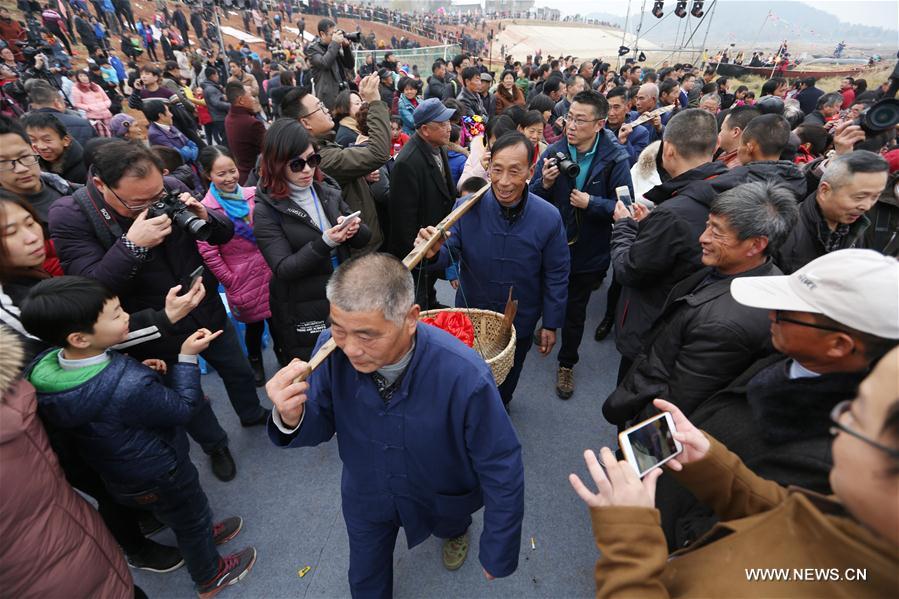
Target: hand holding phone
<point>624,195</point>
<point>348,220</point>
<point>188,282</point>
<point>650,443</point>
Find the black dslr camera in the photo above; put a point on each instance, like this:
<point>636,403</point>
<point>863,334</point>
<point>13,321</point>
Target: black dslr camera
<point>882,116</point>
<point>566,164</point>
<point>354,36</point>
<point>176,210</point>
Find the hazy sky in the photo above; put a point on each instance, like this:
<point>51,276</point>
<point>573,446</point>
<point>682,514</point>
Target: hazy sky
<point>880,13</point>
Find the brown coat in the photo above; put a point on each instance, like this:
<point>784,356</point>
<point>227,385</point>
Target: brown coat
<point>52,542</point>
<point>763,526</point>
<point>503,102</point>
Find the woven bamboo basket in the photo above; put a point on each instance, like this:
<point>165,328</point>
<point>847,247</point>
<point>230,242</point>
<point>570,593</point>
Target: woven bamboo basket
<point>497,349</point>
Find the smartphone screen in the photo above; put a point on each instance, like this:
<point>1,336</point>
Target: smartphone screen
<point>651,444</point>
<point>624,194</point>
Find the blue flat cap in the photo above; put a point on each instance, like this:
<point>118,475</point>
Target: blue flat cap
<point>431,110</point>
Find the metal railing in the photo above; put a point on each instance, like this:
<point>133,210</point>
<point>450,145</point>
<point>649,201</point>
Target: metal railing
<point>423,57</point>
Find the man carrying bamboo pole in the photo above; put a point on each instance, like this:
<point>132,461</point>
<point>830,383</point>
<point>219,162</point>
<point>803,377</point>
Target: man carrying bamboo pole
<point>423,436</point>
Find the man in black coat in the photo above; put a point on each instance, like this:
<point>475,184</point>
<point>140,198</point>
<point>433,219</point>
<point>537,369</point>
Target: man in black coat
<point>833,217</point>
<point>105,232</point>
<point>421,188</point>
<point>44,98</point>
<point>180,21</point>
<point>777,415</point>
<point>436,82</point>
<point>652,252</point>
<point>761,144</point>
<point>826,107</point>
<point>703,337</point>
<point>808,95</point>
<point>329,56</point>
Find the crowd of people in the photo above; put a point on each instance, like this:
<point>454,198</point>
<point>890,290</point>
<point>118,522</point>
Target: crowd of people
<point>748,244</point>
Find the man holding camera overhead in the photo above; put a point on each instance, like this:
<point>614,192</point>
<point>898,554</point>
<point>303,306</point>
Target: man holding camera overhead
<point>111,230</point>
<point>329,56</point>
<point>579,174</point>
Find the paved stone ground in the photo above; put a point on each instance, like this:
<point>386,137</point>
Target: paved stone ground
<point>290,500</point>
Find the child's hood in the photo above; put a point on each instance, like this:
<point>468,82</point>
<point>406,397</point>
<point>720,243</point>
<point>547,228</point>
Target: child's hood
<point>76,405</point>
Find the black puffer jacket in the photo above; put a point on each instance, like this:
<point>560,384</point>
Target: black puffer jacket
<point>779,428</point>
<point>650,257</point>
<point>700,343</point>
<point>782,172</point>
<point>804,242</point>
<point>292,244</point>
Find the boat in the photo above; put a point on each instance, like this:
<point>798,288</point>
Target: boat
<point>801,71</point>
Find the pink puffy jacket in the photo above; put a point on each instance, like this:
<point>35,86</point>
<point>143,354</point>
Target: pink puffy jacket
<point>53,543</point>
<point>240,268</point>
<point>95,103</point>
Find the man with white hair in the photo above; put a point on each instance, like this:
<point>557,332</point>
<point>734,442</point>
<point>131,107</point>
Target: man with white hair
<point>423,435</point>
<point>711,103</point>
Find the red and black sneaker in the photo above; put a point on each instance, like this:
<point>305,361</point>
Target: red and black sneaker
<point>227,529</point>
<point>232,569</point>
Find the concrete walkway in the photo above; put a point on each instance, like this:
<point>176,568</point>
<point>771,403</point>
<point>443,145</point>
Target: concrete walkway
<point>290,499</point>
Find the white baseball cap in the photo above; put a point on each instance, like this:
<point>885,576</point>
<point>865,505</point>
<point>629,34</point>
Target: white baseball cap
<point>857,288</point>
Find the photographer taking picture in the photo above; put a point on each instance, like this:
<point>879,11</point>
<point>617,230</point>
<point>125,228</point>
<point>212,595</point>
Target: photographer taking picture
<point>131,230</point>
<point>329,56</point>
<point>579,174</point>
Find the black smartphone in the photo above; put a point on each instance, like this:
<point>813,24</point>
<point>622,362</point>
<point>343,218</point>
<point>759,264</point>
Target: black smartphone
<point>188,282</point>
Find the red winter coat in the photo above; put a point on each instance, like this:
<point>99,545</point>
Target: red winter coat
<point>240,267</point>
<point>52,542</point>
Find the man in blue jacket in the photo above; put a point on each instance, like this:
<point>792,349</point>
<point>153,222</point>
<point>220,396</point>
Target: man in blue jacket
<point>423,436</point>
<point>511,239</point>
<point>586,202</point>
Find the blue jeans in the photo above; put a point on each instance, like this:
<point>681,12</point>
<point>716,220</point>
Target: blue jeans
<point>178,501</point>
<point>225,355</point>
<point>522,346</point>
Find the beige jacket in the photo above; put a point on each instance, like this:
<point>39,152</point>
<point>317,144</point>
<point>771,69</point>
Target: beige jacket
<point>763,525</point>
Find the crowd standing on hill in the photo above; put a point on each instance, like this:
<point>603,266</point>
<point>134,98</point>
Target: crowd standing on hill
<point>749,244</point>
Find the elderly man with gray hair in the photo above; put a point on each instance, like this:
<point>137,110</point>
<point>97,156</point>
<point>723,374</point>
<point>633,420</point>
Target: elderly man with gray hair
<point>833,216</point>
<point>703,338</point>
<point>423,435</point>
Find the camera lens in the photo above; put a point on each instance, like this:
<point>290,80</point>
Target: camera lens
<point>883,115</point>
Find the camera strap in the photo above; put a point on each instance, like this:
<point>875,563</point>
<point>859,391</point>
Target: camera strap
<point>105,226</point>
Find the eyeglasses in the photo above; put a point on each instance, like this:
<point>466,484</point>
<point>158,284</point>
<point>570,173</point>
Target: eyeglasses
<point>837,413</point>
<point>10,165</point>
<point>779,317</point>
<point>299,164</point>
<point>581,122</point>
<point>321,106</point>
<point>141,207</point>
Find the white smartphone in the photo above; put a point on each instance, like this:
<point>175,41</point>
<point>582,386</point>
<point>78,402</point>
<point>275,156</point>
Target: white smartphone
<point>348,220</point>
<point>650,443</point>
<point>624,195</point>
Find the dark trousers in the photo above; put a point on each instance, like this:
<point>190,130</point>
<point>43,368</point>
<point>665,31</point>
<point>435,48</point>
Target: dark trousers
<point>225,355</point>
<point>253,337</point>
<point>612,297</point>
<point>522,346</point>
<point>580,286</point>
<point>425,293</point>
<point>623,367</point>
<point>178,501</point>
<point>371,553</point>
<point>218,132</point>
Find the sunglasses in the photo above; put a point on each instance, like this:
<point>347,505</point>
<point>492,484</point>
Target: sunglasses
<point>299,164</point>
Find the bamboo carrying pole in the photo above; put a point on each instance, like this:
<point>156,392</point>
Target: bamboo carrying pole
<point>410,261</point>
